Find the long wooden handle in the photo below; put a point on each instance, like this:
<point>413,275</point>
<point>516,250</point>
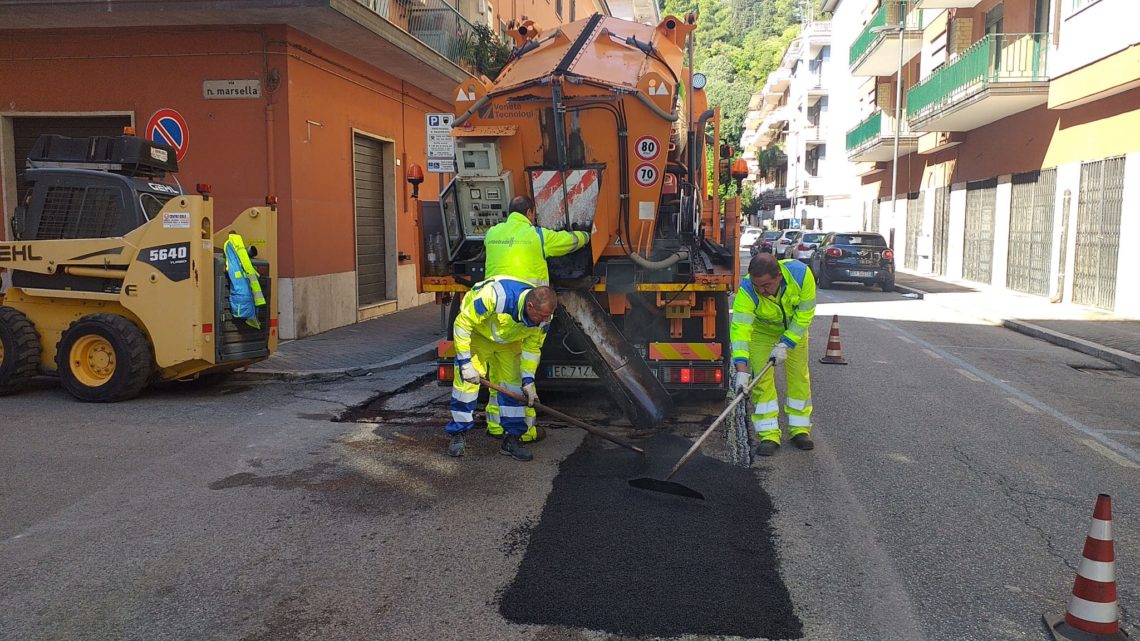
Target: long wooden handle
<point>596,431</point>
<point>718,421</point>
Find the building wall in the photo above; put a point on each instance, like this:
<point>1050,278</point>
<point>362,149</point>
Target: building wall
<point>294,141</point>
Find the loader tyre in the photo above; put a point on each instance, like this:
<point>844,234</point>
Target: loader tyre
<point>20,350</point>
<point>104,358</point>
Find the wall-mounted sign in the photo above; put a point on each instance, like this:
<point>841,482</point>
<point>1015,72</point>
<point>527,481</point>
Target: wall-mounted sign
<point>440,144</point>
<point>169,127</point>
<point>230,89</point>
<point>441,166</point>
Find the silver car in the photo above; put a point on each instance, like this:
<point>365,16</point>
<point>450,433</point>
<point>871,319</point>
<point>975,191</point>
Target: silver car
<point>784,242</point>
<point>802,250</point>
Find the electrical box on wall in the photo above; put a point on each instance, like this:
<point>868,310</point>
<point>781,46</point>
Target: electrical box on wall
<point>483,202</point>
<point>478,159</point>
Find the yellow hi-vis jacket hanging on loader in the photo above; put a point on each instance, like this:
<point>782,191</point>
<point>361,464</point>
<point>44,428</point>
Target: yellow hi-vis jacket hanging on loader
<point>245,288</point>
<point>518,249</point>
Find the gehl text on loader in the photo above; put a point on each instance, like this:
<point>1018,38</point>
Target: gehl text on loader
<point>118,277</point>
<point>605,125</point>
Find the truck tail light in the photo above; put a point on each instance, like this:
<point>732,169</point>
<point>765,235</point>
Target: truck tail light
<point>445,372</point>
<point>689,375</point>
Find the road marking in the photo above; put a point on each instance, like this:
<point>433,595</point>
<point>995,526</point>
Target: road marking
<point>933,354</point>
<point>1110,455</point>
<point>1096,435</point>
<point>970,375</point>
<point>1022,404</point>
<point>905,339</point>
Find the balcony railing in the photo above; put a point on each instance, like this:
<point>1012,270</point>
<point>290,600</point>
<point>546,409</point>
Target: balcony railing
<point>863,132</point>
<point>995,58</point>
<point>889,13</point>
<point>434,23</point>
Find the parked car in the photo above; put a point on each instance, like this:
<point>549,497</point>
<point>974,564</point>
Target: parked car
<point>764,242</point>
<point>803,249</point>
<point>857,257</point>
<point>748,235</point>
<point>786,240</point>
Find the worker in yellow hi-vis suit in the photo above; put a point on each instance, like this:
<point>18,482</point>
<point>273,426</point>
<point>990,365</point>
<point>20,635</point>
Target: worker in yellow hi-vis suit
<point>502,324</point>
<point>771,316</point>
<point>518,249</point>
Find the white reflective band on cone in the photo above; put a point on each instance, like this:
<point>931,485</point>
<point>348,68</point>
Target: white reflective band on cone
<point>1092,611</point>
<point>1100,530</point>
<point>1104,572</point>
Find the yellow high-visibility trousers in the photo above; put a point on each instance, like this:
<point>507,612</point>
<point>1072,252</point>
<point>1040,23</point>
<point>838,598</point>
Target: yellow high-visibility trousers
<point>797,397</point>
<point>500,364</point>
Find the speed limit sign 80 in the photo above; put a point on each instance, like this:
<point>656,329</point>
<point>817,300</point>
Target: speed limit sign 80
<point>647,148</point>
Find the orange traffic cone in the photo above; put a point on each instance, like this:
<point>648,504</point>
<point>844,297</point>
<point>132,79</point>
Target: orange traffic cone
<point>1092,614</point>
<point>834,355</point>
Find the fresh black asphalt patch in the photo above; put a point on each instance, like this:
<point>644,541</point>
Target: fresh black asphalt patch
<point>609,557</point>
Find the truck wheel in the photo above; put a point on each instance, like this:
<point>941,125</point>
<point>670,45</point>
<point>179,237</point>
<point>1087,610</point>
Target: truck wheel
<point>20,350</point>
<point>104,358</point>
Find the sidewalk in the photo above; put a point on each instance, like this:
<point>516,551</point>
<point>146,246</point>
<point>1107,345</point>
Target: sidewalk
<point>406,336</point>
<point>1101,334</point>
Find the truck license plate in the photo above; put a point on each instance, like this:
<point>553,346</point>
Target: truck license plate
<point>860,274</point>
<point>571,371</point>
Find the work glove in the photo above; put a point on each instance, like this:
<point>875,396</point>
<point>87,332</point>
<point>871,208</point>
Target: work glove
<point>779,354</point>
<point>469,373</point>
<point>531,394</point>
<point>742,381</point>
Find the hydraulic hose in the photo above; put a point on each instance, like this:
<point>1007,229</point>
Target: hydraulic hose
<point>471,111</point>
<point>664,263</point>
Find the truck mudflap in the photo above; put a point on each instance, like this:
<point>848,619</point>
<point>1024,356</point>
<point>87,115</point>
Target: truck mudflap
<point>623,372</point>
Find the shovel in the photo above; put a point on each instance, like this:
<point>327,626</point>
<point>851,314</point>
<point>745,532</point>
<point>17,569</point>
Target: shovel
<point>672,487</point>
<point>596,431</point>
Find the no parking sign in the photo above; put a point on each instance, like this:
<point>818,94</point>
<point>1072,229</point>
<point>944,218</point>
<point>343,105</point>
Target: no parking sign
<point>169,127</point>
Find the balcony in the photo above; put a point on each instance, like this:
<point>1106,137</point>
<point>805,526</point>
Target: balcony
<point>873,139</point>
<point>814,135</point>
<point>422,43</point>
<point>946,4</point>
<point>997,76</point>
<point>876,53</point>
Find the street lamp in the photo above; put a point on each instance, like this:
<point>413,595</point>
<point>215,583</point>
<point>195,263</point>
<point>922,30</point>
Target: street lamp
<point>895,28</point>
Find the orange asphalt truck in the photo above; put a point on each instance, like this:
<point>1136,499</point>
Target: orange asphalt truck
<point>605,125</point>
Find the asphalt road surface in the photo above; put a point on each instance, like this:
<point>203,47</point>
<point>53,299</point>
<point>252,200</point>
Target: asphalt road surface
<point>948,498</point>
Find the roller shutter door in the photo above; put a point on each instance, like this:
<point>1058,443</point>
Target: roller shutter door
<point>368,177</point>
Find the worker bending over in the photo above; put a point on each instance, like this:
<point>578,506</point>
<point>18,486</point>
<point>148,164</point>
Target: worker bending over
<point>518,249</point>
<point>771,316</point>
<point>502,324</point>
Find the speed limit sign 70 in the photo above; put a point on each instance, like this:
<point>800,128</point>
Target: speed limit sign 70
<point>647,148</point>
<point>646,175</point>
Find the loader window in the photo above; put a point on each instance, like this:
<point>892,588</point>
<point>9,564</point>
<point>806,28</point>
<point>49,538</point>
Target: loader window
<point>79,212</point>
<point>152,204</point>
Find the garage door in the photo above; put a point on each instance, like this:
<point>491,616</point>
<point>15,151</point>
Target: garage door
<point>368,173</point>
<point>914,207</point>
<point>25,130</point>
<point>941,229</point>
<point>1031,232</point>
<point>1098,233</point>
<point>978,245</point>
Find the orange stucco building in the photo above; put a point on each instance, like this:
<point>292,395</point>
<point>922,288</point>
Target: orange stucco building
<point>321,104</point>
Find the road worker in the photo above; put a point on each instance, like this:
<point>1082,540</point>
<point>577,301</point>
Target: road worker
<point>501,326</point>
<point>517,248</point>
<point>771,316</point>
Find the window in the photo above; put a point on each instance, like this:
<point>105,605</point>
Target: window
<point>558,8</point>
<point>1077,5</point>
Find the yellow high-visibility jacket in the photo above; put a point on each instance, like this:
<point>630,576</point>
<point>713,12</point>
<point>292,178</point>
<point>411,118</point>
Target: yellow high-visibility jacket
<point>496,309</point>
<point>518,249</point>
<point>788,314</point>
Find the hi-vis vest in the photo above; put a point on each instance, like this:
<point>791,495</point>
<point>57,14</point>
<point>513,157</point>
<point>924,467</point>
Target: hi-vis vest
<point>245,288</point>
<point>518,249</point>
<point>496,309</point>
<point>788,314</point>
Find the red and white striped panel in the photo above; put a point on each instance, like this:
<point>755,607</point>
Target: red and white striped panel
<point>581,196</point>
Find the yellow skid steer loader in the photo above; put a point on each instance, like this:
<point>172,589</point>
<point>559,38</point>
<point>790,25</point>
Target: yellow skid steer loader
<point>119,279</point>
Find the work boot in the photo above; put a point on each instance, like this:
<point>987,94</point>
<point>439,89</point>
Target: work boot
<point>766,448</point>
<point>458,444</point>
<point>512,448</point>
<point>803,441</point>
<point>538,433</point>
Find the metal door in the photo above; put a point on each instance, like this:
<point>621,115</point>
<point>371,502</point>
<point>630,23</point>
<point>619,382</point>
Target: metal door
<point>26,129</point>
<point>914,207</point>
<point>1031,232</point>
<point>368,181</point>
<point>1099,206</point>
<point>941,229</point>
<point>978,244</point>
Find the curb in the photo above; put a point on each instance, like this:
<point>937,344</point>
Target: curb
<point>1127,362</point>
<point>421,354</point>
